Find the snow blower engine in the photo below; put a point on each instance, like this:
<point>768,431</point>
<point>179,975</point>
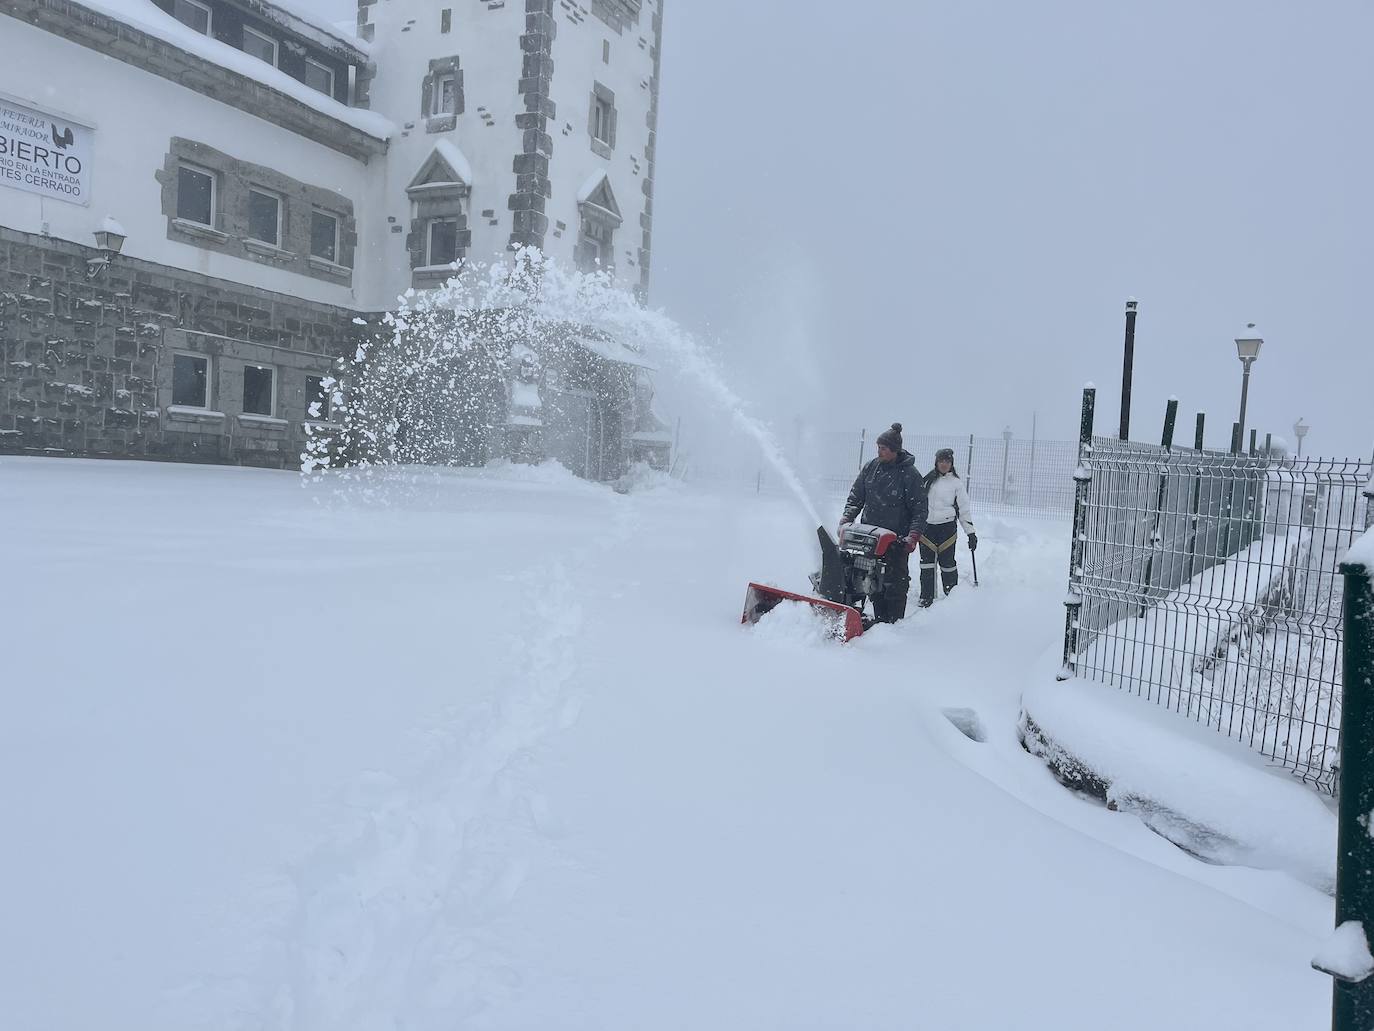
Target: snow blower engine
<point>851,572</point>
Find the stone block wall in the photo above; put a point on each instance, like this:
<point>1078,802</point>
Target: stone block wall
<point>85,364</point>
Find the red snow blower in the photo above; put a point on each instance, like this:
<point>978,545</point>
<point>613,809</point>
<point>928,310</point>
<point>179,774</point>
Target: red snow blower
<point>852,571</point>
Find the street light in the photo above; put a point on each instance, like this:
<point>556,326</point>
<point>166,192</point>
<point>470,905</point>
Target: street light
<point>1248,346</point>
<point>109,238</point>
<point>1300,429</point>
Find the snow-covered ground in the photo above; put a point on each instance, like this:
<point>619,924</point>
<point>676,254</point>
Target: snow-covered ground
<point>499,755</point>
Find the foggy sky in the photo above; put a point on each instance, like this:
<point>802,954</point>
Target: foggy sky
<point>934,213</point>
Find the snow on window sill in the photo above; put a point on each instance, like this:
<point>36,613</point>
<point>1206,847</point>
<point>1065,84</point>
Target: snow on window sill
<point>325,265</point>
<point>268,250</point>
<point>266,422</point>
<point>443,122</point>
<point>190,413</point>
<point>313,425</point>
<point>200,229</point>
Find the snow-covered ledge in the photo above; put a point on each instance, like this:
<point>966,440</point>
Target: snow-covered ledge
<point>205,232</point>
<point>264,422</point>
<point>322,265</point>
<point>268,250</point>
<point>187,413</point>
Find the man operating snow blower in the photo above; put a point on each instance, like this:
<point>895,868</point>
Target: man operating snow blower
<point>889,493</point>
<point>870,562</point>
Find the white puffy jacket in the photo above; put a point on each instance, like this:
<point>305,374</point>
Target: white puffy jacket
<point>943,494</point>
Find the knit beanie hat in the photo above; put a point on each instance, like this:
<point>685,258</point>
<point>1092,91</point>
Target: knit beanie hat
<point>945,452</point>
<point>891,438</point>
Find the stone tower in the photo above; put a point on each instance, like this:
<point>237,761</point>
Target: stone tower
<point>519,122</point>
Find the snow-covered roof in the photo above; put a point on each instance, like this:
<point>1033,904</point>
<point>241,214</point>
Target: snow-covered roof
<point>589,187</point>
<point>301,22</point>
<point>148,17</point>
<point>457,161</point>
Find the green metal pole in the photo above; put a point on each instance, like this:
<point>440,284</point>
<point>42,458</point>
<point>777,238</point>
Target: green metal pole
<point>1352,1005</point>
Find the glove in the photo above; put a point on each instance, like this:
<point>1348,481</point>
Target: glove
<point>913,541</point>
<point>973,542</point>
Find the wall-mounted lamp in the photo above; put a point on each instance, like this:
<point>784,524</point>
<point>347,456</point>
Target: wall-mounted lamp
<point>110,239</point>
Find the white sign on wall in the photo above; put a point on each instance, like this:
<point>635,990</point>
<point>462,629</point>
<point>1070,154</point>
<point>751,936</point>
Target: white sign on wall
<point>44,154</point>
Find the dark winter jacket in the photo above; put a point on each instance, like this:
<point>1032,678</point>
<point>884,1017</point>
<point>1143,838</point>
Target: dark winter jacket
<point>889,494</point>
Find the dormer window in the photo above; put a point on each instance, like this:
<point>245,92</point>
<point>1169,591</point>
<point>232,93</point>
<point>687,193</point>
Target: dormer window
<point>264,48</point>
<point>192,14</point>
<point>600,218</point>
<point>319,77</point>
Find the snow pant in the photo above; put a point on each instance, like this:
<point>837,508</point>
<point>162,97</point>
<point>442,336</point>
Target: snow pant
<point>890,606</point>
<point>937,546</point>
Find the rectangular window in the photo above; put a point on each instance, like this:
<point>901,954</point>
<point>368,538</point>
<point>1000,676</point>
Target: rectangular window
<point>316,399</point>
<point>445,94</point>
<point>192,14</point>
<point>324,236</point>
<point>191,380</point>
<point>601,120</point>
<point>443,241</point>
<point>264,217</point>
<point>605,51</point>
<point>264,48</point>
<point>196,195</point>
<point>318,76</point>
<point>446,19</point>
<point>257,390</point>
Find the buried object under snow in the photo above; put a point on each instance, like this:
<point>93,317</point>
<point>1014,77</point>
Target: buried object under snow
<point>852,572</point>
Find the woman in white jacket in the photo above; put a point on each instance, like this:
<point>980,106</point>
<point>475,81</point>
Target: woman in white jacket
<point>949,506</point>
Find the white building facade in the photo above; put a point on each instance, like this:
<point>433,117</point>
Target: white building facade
<point>277,185</point>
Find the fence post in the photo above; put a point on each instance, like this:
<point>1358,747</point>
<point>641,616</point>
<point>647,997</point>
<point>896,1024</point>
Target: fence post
<point>862,434</point>
<point>968,469</point>
<point>1197,498</point>
<point>1352,1001</point>
<point>1030,487</point>
<point>1006,454</point>
<point>1082,477</point>
<point>1369,499</point>
<point>1166,441</point>
<point>1127,367</point>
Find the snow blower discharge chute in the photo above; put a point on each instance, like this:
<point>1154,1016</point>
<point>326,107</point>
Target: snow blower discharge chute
<point>852,572</point>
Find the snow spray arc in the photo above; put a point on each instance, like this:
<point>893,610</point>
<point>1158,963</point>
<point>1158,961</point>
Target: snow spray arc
<point>434,390</point>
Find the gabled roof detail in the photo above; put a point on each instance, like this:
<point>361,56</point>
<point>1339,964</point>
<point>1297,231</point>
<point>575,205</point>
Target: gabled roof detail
<point>597,192</point>
<point>445,166</point>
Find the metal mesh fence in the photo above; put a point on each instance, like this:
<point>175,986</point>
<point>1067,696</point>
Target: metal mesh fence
<point>1208,583</point>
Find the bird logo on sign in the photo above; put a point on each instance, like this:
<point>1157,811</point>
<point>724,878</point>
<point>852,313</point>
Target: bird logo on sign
<point>63,140</point>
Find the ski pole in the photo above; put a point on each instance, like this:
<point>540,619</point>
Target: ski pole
<point>974,556</point>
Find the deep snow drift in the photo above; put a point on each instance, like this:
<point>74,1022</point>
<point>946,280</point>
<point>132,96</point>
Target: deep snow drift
<point>499,755</point>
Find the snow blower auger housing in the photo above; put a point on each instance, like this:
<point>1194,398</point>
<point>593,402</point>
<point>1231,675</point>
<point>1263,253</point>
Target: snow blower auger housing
<point>851,572</point>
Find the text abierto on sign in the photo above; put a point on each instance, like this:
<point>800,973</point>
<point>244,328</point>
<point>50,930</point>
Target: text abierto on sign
<point>44,154</point>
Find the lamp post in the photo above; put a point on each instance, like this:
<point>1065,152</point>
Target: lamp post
<point>1300,429</point>
<point>1248,346</point>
